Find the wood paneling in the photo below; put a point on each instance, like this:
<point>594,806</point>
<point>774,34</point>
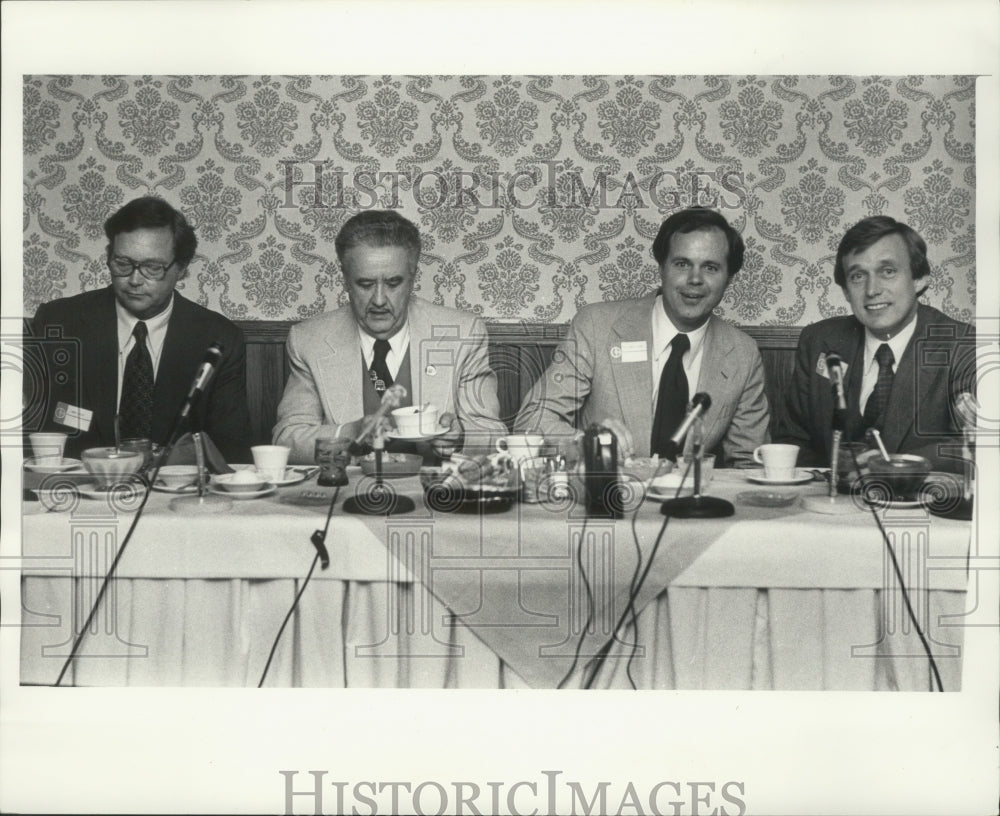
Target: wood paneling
<point>519,353</point>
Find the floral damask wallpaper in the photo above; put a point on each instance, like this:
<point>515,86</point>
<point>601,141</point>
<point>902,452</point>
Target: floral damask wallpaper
<point>534,194</point>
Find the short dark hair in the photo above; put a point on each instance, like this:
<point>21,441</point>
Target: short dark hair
<point>699,218</point>
<point>377,228</point>
<point>869,230</point>
<point>150,212</point>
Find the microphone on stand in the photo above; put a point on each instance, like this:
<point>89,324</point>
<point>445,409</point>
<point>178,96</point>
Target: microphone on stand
<point>833,366</point>
<point>700,404</point>
<point>202,377</point>
<point>378,499</point>
<point>206,371</point>
<point>696,506</point>
<point>391,399</point>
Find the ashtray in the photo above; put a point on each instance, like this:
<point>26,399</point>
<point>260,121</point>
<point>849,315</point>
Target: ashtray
<point>767,498</point>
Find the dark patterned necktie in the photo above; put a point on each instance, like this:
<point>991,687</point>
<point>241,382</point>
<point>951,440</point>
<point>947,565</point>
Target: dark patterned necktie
<point>672,399</point>
<point>379,372</point>
<point>136,407</point>
<point>875,408</point>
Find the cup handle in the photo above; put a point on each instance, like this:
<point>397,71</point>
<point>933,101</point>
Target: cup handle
<point>501,445</point>
<point>756,456</point>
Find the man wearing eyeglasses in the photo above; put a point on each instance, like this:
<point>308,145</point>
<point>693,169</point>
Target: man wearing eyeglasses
<point>904,363</point>
<point>140,344</point>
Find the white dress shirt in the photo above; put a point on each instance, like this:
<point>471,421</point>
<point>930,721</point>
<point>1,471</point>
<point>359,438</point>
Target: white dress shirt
<point>398,344</point>
<point>157,328</point>
<point>898,346</point>
<point>663,333</point>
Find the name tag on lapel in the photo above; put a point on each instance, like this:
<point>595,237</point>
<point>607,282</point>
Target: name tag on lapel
<point>634,351</point>
<point>72,416</point>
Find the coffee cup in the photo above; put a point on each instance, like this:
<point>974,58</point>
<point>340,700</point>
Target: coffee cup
<point>270,461</point>
<point>48,448</point>
<point>520,446</point>
<point>414,421</point>
<point>778,460</point>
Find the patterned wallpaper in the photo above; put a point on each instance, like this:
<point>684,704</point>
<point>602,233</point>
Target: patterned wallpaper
<point>535,194</point>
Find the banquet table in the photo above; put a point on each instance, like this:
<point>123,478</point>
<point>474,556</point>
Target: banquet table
<point>771,598</point>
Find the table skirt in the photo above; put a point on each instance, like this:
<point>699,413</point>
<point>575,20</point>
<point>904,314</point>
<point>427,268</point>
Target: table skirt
<point>378,634</point>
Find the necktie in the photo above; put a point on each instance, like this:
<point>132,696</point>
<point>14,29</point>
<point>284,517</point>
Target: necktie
<point>672,399</point>
<point>379,372</point>
<point>875,408</point>
<point>136,407</point>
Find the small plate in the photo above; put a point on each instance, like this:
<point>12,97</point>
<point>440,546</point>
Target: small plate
<point>177,491</point>
<point>418,438</point>
<point>758,477</point>
<point>90,490</point>
<point>767,498</point>
<point>62,467</point>
<point>293,475</point>
<point>661,495</point>
<point>266,490</point>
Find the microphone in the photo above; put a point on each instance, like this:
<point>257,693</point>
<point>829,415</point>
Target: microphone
<point>700,403</point>
<point>833,365</point>
<point>967,408</point>
<point>393,395</point>
<point>201,379</point>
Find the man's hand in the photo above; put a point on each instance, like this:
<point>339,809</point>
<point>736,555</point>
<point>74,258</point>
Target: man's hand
<point>626,447</point>
<point>449,442</point>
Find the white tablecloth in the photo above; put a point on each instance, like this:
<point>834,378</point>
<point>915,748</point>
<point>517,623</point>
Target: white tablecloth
<point>766,599</point>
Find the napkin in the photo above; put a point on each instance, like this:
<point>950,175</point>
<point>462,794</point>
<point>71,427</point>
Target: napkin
<point>184,454</point>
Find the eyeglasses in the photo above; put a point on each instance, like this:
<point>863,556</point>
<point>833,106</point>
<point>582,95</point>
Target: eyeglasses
<point>151,270</point>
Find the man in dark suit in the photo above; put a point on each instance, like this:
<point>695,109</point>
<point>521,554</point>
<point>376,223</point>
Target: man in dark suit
<point>139,345</point>
<point>633,365</point>
<point>904,362</point>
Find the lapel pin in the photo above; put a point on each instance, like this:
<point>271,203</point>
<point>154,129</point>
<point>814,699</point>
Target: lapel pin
<point>616,352</point>
<point>430,371</point>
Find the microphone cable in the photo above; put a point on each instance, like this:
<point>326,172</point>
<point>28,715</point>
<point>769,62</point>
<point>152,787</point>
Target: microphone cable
<point>634,589</point>
<point>899,577</point>
<point>318,540</point>
<point>590,606</point>
<point>147,483</point>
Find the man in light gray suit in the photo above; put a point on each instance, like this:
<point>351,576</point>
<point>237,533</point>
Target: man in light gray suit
<point>633,365</point>
<point>343,361</point>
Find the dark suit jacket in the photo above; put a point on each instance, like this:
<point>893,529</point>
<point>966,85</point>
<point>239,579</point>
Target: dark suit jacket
<point>938,363</point>
<point>85,327</point>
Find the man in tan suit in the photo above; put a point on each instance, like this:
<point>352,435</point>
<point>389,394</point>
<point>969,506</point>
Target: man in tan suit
<point>633,365</point>
<point>342,361</point>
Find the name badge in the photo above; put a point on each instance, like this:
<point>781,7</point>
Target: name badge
<point>72,416</point>
<point>634,351</point>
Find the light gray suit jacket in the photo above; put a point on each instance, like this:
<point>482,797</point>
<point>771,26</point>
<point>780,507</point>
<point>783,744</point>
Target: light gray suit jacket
<point>449,367</point>
<point>589,381</point>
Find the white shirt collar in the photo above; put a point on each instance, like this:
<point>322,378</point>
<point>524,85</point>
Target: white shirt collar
<point>897,344</point>
<point>398,343</point>
<point>156,326</point>
<point>664,331</point>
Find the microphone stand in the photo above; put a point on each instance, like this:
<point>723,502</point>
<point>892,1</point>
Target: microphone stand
<point>832,503</point>
<point>380,499</point>
<point>200,503</point>
<point>697,506</point>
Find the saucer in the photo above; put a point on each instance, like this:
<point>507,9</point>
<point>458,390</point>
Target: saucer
<point>758,477</point>
<point>266,490</point>
<point>177,491</point>
<point>293,475</point>
<point>90,490</point>
<point>418,438</point>
<point>62,467</point>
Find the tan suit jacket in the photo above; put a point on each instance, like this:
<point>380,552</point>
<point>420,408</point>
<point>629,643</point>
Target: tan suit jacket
<point>590,379</point>
<point>449,367</point>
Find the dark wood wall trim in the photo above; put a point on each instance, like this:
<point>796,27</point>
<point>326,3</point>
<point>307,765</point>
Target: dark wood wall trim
<point>519,353</point>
